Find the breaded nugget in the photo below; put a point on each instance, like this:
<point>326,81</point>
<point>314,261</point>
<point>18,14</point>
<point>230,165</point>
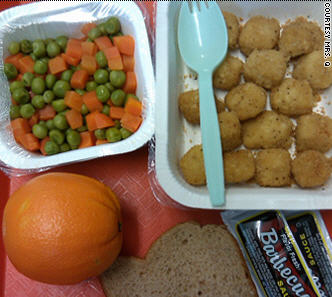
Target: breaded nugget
<point>259,33</point>
<point>314,132</point>
<point>239,166</point>
<point>228,74</point>
<point>230,130</point>
<point>311,68</point>
<point>301,37</point>
<point>233,29</point>
<point>246,100</point>
<point>266,68</point>
<point>268,130</point>
<point>189,106</point>
<point>311,169</point>
<point>273,168</point>
<point>192,166</point>
<point>293,97</point>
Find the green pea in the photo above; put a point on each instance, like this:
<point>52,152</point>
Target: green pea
<point>57,136</point>
<point>100,134</point>
<point>113,25</point>
<point>48,96</point>
<point>80,92</point>
<point>61,87</point>
<point>101,76</point>
<point>103,94</point>
<point>101,59</point>
<point>59,105</point>
<point>53,49</point>
<point>33,57</point>
<point>51,148</point>
<point>118,97</point>
<point>113,135</point>
<point>63,112</point>
<point>50,125</point>
<point>27,111</point>
<point>39,48</point>
<point>106,110</point>
<point>38,86</point>
<point>102,29</point>
<point>109,86</point>
<point>117,124</point>
<point>10,71</point>
<point>94,33</point>
<point>14,48</point>
<point>66,75</point>
<point>65,147</point>
<point>69,130</point>
<point>117,78</point>
<point>43,123</point>
<point>39,131</point>
<point>26,46</point>
<point>82,129</point>
<point>38,101</point>
<point>62,42</point>
<point>118,34</point>
<point>14,112</point>
<point>60,122</point>
<point>45,60</point>
<point>89,40</point>
<point>21,96</point>
<point>27,79</point>
<point>91,86</point>
<point>125,133</point>
<point>84,109</point>
<point>16,85</point>
<point>73,138</point>
<point>50,80</point>
<point>48,40</point>
<point>40,67</point>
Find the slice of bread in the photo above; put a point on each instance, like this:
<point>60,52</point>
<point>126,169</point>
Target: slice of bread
<point>188,260</point>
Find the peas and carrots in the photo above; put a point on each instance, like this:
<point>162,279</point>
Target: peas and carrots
<point>69,94</point>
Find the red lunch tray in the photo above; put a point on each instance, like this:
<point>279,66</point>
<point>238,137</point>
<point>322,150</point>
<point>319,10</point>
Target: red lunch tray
<point>144,218</point>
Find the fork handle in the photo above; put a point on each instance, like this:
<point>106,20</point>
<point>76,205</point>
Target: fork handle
<point>211,140</point>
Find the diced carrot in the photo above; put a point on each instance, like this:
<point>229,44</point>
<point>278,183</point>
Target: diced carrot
<point>103,43</point>
<point>90,99</point>
<point>42,145</point>
<point>97,120</point>
<point>131,122</point>
<point>47,113</point>
<point>101,141</point>
<point>125,44</point>
<point>89,63</point>
<point>133,106</point>
<point>34,119</point>
<point>13,59</point>
<point>20,126</point>
<point>13,101</point>
<point>74,119</point>
<point>131,83</point>
<point>87,139</point>
<point>30,142</point>
<point>87,28</point>
<point>74,100</point>
<point>19,77</point>
<point>70,60</point>
<point>74,48</point>
<point>57,65</point>
<point>89,48</point>
<point>116,113</point>
<point>79,79</point>
<point>26,64</point>
<point>128,63</point>
<point>113,57</point>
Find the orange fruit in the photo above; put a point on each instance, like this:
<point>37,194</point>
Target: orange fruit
<point>62,228</point>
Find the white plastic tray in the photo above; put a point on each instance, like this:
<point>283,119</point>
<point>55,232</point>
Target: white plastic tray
<point>53,18</point>
<point>174,136</point>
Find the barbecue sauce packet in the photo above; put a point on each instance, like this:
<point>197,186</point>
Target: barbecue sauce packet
<point>313,239</point>
<point>274,258</point>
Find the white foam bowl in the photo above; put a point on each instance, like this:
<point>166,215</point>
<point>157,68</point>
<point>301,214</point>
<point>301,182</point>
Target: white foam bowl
<point>53,18</point>
<point>174,136</point>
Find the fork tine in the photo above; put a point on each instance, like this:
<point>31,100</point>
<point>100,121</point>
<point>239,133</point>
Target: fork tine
<point>202,5</point>
<point>194,5</point>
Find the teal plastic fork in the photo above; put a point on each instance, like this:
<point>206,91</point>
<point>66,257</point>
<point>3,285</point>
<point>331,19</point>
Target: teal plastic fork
<point>203,44</point>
